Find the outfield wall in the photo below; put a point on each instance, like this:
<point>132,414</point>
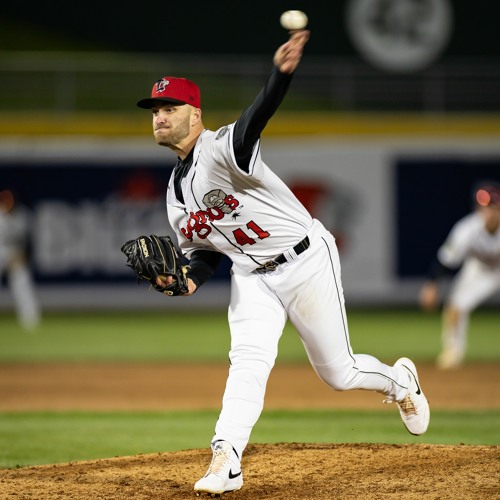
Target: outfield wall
<point>389,200</point>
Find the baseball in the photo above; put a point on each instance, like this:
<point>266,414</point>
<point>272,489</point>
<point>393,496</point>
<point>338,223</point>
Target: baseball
<point>293,20</point>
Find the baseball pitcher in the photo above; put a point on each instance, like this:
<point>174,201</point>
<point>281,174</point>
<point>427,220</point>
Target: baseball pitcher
<point>223,199</point>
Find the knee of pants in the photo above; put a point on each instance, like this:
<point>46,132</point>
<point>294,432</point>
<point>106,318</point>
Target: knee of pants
<point>338,379</point>
<point>245,383</point>
<point>254,370</point>
<point>250,356</point>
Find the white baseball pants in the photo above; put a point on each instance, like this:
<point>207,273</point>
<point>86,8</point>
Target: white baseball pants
<point>309,292</point>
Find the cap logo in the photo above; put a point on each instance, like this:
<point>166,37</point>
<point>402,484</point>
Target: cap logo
<point>173,90</point>
<point>161,85</point>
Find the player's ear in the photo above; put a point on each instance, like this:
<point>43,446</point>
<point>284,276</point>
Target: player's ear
<point>195,116</point>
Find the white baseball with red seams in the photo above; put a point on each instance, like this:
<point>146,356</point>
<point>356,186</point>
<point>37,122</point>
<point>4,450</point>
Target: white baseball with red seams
<point>293,20</point>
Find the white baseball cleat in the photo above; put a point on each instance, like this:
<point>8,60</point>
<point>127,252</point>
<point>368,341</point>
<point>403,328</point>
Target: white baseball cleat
<point>414,408</point>
<point>224,473</point>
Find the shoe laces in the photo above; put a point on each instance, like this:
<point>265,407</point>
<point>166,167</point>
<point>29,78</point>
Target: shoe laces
<point>219,458</point>
<point>407,405</point>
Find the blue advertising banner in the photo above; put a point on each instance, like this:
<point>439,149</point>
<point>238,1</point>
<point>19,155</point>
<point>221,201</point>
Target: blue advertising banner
<point>431,194</point>
<point>80,215</point>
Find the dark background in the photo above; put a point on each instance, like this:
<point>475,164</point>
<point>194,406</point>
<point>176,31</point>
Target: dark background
<point>431,195</point>
<point>88,57</point>
<point>213,27</point>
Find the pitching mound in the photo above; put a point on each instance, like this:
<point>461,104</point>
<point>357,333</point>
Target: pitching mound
<point>280,471</point>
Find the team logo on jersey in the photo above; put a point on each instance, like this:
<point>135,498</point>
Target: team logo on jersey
<point>218,205</point>
<point>161,85</point>
<point>217,198</point>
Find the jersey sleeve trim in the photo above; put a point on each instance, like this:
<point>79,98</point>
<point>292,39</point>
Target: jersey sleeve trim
<point>253,166</point>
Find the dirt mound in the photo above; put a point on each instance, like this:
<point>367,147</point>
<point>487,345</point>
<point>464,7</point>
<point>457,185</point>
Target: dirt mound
<point>176,386</point>
<point>279,471</point>
<point>282,471</point>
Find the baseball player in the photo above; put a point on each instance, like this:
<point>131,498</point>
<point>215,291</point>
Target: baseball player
<point>473,247</point>
<point>223,199</point>
<point>14,229</point>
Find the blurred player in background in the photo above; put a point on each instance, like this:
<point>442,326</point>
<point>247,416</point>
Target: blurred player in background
<point>473,247</point>
<point>14,232</point>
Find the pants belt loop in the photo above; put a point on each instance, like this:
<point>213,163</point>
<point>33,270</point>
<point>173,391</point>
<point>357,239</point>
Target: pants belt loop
<point>290,255</point>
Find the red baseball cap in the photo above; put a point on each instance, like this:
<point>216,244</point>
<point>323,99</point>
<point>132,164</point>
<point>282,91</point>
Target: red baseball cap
<point>172,89</point>
<point>488,195</point>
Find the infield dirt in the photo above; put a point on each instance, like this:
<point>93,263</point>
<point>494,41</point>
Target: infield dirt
<point>274,471</point>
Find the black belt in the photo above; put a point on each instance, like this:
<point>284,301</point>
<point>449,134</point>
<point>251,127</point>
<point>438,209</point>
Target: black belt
<point>281,259</point>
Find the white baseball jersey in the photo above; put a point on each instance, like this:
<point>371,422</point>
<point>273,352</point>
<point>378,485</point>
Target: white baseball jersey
<point>250,217</point>
<point>469,239</point>
<point>478,252</point>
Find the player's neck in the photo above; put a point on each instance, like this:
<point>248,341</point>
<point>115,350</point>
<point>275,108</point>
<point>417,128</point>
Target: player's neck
<point>492,226</point>
<point>184,148</point>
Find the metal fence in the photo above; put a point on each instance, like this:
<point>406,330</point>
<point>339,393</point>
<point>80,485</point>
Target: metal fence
<point>69,82</point>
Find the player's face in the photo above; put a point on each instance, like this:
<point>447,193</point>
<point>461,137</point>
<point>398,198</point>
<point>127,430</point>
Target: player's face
<point>171,124</point>
<point>6,201</point>
<point>491,217</point>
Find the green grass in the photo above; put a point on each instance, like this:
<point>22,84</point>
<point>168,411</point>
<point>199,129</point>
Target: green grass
<point>51,437</point>
<point>29,438</point>
<point>157,336</point>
